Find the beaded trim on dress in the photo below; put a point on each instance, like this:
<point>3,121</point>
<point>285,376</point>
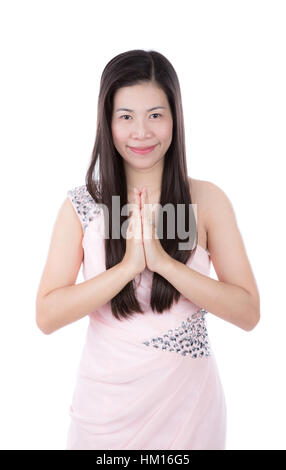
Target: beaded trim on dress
<point>190,338</point>
<point>84,203</point>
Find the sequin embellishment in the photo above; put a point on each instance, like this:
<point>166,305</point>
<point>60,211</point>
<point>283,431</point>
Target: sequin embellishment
<point>190,338</point>
<point>84,204</point>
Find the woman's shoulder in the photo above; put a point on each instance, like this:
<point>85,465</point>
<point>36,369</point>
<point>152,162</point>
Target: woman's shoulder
<point>209,197</point>
<point>203,191</point>
<point>200,191</point>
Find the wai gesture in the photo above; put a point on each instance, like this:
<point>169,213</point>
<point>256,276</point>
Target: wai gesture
<point>146,238</point>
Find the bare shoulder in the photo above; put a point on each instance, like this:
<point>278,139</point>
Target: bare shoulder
<point>211,199</point>
<point>218,216</point>
<point>199,191</point>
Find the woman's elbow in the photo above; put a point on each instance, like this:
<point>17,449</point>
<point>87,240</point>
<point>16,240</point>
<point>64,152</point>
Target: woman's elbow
<point>253,319</point>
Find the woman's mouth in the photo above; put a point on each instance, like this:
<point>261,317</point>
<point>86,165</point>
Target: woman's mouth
<point>142,150</point>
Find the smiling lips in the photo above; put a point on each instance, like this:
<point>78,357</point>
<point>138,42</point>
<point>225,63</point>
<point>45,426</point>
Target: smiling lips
<point>142,150</point>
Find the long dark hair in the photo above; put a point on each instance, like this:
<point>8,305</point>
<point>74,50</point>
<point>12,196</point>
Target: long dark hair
<point>127,69</point>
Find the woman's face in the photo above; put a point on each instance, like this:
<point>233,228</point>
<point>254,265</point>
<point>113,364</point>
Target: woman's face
<point>141,126</point>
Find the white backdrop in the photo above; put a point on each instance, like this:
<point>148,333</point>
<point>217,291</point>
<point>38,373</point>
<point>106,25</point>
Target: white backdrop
<point>230,60</point>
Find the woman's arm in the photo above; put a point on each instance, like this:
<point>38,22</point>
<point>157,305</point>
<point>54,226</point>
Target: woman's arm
<point>60,300</point>
<point>229,302</point>
<point>234,297</point>
<point>70,303</point>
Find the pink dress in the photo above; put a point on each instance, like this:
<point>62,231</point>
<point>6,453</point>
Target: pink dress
<point>149,382</point>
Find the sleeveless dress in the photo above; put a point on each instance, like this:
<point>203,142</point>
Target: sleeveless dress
<point>150,382</point>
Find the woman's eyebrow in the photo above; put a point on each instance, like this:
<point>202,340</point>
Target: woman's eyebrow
<point>148,110</point>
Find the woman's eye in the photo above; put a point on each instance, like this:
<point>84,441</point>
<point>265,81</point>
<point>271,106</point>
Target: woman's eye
<point>124,116</point>
<point>128,115</point>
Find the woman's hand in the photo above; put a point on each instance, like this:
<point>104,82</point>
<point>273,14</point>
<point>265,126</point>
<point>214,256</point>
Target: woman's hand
<point>155,254</point>
<point>134,256</point>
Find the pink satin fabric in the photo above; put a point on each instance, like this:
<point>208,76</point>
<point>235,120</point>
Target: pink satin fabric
<point>132,396</point>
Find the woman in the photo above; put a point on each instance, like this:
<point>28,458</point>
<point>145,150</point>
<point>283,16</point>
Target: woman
<point>147,377</point>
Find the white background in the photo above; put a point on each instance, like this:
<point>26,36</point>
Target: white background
<point>230,60</point>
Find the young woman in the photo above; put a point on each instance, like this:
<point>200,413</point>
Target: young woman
<point>148,377</point>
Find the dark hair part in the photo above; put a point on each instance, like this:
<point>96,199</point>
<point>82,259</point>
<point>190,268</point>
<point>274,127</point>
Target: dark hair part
<point>127,69</point>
